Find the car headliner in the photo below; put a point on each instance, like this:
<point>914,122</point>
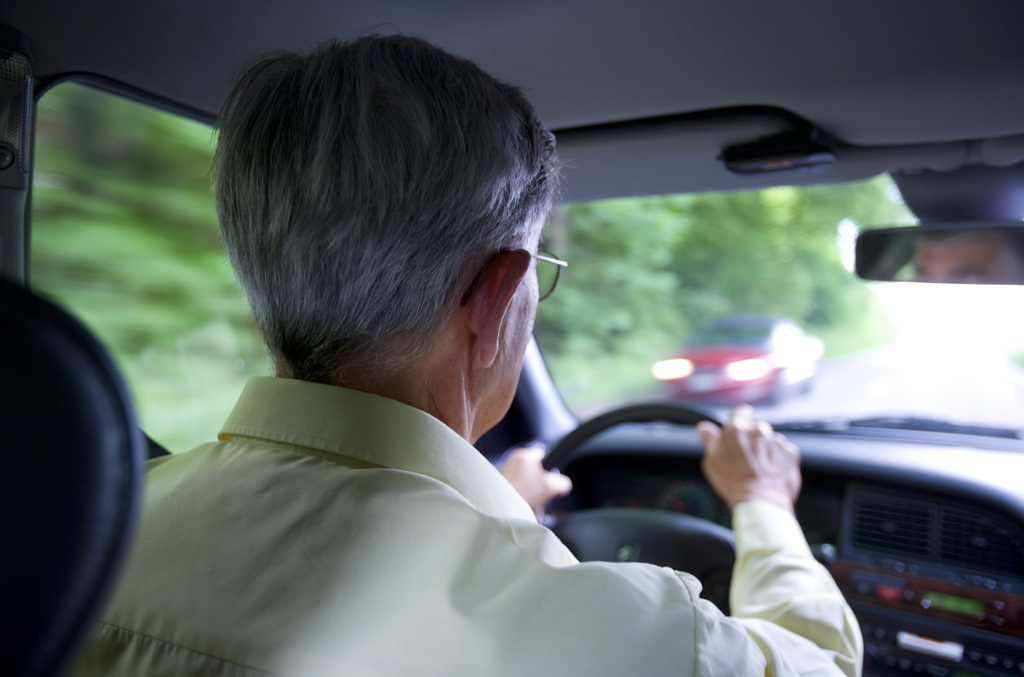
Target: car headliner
<point>868,73</point>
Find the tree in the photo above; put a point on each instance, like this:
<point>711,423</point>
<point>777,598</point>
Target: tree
<point>125,235</point>
<point>646,272</point>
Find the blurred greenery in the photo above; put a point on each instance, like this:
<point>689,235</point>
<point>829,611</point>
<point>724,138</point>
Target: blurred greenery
<point>646,272</point>
<point>125,234</point>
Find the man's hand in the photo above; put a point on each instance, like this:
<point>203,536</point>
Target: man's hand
<point>525,472</point>
<point>750,461</point>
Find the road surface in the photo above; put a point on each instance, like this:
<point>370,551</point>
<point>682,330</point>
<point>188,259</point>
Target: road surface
<point>912,378</point>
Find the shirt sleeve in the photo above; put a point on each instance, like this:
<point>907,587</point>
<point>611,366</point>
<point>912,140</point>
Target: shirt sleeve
<point>783,599</point>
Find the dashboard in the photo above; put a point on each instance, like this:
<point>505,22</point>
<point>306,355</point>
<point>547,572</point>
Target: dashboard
<point>925,537</point>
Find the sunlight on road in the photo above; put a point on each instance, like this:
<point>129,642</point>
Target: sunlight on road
<point>956,322</point>
<point>948,362</point>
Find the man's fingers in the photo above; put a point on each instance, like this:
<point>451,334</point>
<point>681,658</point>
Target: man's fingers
<point>532,454</point>
<point>784,442</point>
<point>558,484</point>
<point>742,416</point>
<point>709,433</point>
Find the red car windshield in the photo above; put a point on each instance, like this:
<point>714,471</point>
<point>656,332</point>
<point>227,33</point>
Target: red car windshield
<point>730,337</point>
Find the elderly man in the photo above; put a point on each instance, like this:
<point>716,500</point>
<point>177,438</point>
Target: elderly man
<point>382,203</point>
<point>977,256</point>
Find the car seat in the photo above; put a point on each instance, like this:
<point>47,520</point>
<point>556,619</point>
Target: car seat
<point>70,486</point>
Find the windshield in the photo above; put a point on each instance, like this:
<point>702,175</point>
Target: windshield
<point>718,337</point>
<point>717,299</point>
<point>713,299</point>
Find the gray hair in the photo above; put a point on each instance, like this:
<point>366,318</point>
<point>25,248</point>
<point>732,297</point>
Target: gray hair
<point>361,187</point>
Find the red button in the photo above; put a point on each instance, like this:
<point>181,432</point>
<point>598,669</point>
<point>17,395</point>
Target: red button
<point>890,593</point>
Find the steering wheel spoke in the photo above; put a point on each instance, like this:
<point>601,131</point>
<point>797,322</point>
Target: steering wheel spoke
<point>682,542</point>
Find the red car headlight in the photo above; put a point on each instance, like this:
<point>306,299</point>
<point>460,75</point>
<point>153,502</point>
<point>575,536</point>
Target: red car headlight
<point>670,370</point>
<point>747,370</point>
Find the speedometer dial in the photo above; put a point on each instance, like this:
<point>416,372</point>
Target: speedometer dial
<point>693,497</point>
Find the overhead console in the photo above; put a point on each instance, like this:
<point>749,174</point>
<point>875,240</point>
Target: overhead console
<point>745,148</point>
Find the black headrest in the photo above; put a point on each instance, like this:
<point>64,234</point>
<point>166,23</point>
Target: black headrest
<point>72,456</point>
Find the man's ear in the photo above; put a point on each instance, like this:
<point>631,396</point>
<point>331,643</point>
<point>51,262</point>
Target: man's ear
<point>489,303</point>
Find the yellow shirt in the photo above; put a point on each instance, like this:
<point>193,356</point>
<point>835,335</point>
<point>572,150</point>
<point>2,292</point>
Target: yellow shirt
<point>333,532</point>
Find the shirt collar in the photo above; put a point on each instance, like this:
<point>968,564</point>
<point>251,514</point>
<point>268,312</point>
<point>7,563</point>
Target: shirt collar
<point>372,429</point>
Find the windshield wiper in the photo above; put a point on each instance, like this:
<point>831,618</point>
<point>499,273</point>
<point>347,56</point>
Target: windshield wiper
<point>839,425</point>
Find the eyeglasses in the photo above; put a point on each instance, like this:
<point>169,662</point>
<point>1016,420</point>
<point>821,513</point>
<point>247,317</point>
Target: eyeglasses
<point>547,276</point>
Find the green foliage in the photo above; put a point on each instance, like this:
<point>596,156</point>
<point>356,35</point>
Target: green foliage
<point>646,272</point>
<point>124,234</point>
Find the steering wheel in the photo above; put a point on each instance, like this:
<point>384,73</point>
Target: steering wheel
<point>682,542</point>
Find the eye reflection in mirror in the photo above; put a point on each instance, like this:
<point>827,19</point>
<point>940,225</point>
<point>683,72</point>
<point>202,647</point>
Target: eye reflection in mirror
<point>959,253</point>
<point>986,256</point>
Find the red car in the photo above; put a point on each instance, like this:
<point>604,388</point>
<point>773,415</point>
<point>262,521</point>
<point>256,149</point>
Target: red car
<point>743,358</point>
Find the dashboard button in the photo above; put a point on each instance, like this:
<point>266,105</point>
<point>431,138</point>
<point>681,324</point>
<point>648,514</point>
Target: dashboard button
<point>888,593</point>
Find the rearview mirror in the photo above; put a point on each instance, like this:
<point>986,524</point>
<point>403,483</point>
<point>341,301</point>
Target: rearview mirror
<point>989,252</point>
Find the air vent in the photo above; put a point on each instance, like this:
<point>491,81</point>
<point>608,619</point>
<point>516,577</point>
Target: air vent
<point>893,528</point>
<point>978,541</point>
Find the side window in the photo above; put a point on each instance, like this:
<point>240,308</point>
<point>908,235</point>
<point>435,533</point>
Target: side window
<point>124,235</point>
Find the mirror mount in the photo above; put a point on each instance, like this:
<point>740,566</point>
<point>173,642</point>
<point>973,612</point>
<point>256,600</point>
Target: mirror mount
<point>971,193</point>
